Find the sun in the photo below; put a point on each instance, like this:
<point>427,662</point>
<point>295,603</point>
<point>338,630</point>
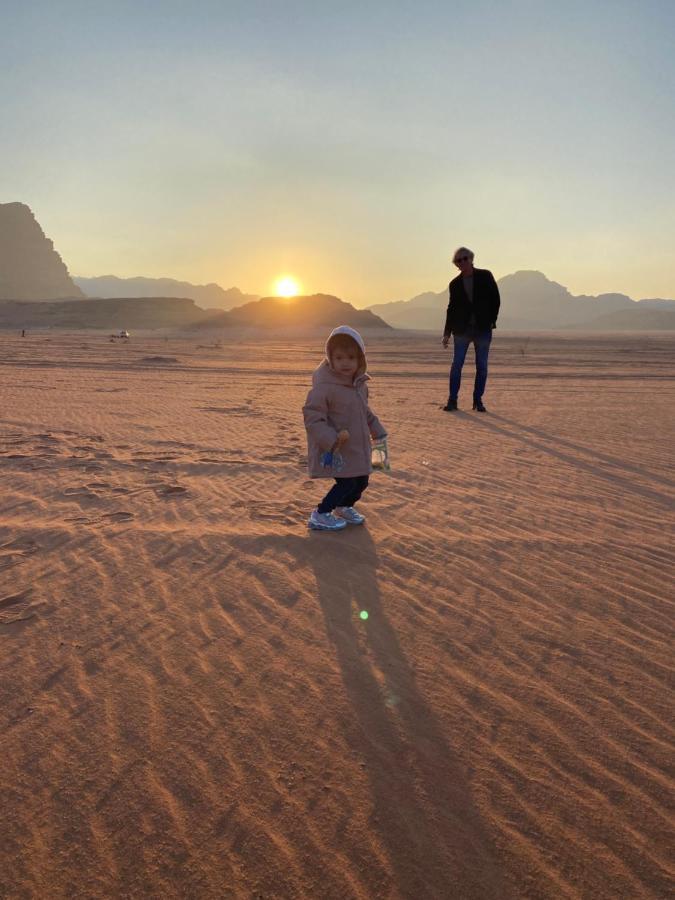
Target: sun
<point>287,287</point>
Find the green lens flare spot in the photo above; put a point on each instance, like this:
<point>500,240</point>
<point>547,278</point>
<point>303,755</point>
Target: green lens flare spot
<point>363,614</point>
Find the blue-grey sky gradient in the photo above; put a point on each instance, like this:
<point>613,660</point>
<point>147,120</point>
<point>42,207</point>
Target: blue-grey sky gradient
<point>352,145</point>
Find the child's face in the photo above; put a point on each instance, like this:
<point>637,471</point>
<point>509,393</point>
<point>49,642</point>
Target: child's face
<point>345,361</point>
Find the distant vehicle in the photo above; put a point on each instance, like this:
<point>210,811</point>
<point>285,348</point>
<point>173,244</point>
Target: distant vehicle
<point>119,336</point>
<point>123,334</point>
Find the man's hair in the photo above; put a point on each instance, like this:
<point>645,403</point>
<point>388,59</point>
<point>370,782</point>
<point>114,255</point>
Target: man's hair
<point>460,251</point>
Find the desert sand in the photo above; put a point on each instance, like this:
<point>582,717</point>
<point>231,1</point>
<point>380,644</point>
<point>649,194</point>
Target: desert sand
<point>191,705</point>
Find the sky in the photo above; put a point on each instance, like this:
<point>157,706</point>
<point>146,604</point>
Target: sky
<point>350,145</point>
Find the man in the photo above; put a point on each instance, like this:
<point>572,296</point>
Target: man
<point>472,314</point>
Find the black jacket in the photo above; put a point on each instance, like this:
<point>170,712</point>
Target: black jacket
<point>485,303</point>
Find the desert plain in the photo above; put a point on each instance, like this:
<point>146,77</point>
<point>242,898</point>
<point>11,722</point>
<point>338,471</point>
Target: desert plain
<point>192,701</point>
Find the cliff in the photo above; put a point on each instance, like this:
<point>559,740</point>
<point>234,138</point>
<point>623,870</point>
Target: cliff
<point>30,267</point>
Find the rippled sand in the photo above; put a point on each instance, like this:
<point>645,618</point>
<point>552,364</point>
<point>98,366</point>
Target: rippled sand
<point>190,703</point>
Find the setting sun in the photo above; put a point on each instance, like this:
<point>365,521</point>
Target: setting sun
<point>287,287</point>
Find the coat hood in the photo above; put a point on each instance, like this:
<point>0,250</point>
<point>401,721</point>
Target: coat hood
<point>355,336</point>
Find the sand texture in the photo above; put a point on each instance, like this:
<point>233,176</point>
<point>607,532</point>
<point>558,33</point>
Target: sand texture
<point>190,703</point>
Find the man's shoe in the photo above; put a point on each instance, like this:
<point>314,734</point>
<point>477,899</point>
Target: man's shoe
<point>450,406</point>
<point>325,522</point>
<point>350,515</point>
<point>478,406</point>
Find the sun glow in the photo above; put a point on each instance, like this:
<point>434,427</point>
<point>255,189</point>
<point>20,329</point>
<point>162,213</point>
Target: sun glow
<point>287,287</point>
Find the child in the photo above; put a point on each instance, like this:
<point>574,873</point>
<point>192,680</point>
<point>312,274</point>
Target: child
<point>339,426</point>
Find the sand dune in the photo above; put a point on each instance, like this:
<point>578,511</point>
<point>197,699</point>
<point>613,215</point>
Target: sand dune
<point>191,705</point>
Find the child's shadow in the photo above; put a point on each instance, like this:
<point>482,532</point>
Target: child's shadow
<point>422,808</point>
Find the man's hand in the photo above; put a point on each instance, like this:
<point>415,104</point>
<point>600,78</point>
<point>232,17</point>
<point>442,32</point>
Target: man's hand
<point>445,341</point>
<point>342,438</point>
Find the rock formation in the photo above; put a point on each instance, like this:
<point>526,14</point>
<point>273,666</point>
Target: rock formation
<point>30,268</point>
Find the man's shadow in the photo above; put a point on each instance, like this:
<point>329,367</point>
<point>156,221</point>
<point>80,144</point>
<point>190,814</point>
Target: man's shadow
<point>601,465</point>
<point>423,812</point>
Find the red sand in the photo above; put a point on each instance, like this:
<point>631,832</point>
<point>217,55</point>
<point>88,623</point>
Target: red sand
<point>191,705</point>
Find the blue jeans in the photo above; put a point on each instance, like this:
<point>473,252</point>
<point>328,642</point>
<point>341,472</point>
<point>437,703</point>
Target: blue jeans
<point>345,492</point>
<point>481,341</point>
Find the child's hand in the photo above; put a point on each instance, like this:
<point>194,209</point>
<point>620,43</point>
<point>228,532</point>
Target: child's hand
<point>343,437</point>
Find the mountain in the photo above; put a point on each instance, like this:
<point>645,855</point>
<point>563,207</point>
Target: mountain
<point>30,267</point>
<point>134,313</point>
<point>530,301</point>
<point>206,295</point>
<point>530,297</point>
<point>317,310</point>
<point>111,313</point>
<point>424,311</point>
<point>657,303</point>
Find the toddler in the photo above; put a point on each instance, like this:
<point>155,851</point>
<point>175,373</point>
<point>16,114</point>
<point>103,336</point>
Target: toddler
<point>340,426</point>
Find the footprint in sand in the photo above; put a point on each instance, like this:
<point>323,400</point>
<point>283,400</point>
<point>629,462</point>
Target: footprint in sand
<point>170,490</point>
<point>15,552</point>
<point>263,511</point>
<point>116,517</point>
<point>82,493</point>
<point>102,520</point>
<point>16,611</point>
<point>13,599</point>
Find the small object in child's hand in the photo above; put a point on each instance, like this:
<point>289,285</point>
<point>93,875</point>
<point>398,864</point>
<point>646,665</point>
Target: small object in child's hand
<point>380,455</point>
<point>332,459</point>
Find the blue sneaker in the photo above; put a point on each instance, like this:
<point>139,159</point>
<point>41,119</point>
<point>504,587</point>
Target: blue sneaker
<point>325,522</point>
<point>350,515</point>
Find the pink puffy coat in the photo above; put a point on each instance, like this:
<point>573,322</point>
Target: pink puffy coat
<point>336,402</point>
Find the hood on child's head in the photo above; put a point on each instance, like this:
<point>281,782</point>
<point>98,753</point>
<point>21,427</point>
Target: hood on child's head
<point>358,340</point>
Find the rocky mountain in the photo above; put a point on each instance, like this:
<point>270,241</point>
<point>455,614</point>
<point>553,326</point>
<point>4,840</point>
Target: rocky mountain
<point>30,267</point>
<point>208,296</point>
<point>530,301</point>
<point>316,310</point>
<point>424,311</point>
<point>530,297</point>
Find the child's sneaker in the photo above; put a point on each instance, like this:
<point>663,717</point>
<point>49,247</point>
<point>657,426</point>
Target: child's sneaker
<point>350,515</point>
<point>325,522</point>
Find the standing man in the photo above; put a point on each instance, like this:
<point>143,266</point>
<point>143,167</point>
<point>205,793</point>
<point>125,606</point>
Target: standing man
<point>472,314</point>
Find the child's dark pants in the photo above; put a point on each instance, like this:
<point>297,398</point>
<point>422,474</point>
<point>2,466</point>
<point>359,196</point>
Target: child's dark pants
<point>345,492</point>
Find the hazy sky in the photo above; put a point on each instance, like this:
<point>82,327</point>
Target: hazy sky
<point>350,144</point>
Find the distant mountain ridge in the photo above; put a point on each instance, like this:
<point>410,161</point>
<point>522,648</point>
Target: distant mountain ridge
<point>32,272</point>
<point>271,314</point>
<point>206,295</point>
<point>530,301</point>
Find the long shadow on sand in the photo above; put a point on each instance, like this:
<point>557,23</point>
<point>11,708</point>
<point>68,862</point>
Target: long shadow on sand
<point>422,809</point>
<point>540,440</point>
